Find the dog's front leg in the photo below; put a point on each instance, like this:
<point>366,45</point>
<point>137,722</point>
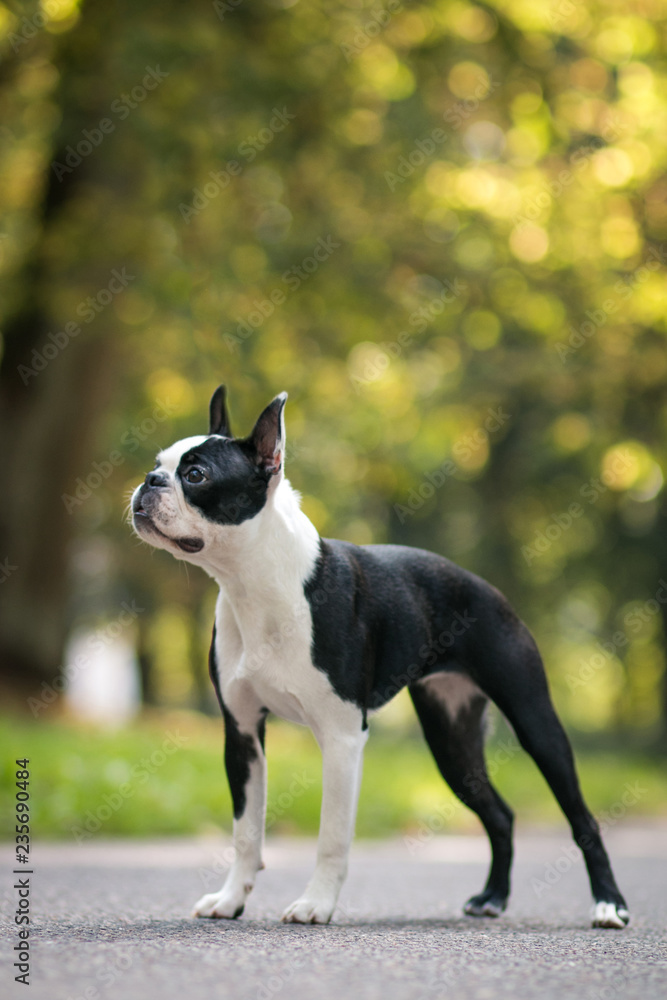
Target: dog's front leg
<point>246,772</point>
<point>341,778</point>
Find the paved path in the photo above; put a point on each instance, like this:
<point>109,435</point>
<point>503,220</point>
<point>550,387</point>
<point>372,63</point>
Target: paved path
<point>110,921</point>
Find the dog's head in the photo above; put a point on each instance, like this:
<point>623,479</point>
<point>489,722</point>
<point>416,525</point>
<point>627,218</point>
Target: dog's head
<point>203,488</point>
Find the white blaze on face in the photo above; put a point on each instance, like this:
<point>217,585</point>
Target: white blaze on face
<point>169,458</point>
<point>172,515</point>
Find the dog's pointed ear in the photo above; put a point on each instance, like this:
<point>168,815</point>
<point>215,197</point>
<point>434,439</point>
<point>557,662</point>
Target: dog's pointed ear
<point>268,436</point>
<point>218,416</point>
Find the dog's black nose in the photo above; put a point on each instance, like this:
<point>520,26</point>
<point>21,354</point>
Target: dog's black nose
<point>156,479</point>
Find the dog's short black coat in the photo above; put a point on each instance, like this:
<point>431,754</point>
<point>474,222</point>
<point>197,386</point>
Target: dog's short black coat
<point>405,613</point>
<point>225,462</point>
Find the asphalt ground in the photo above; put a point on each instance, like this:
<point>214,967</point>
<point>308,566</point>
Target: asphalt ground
<point>110,919</point>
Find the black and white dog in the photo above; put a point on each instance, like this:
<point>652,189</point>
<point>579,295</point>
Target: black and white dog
<point>324,633</point>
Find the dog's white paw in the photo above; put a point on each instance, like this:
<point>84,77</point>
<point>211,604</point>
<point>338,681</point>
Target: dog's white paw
<point>220,904</point>
<point>487,908</point>
<point>309,910</point>
<point>610,915</point>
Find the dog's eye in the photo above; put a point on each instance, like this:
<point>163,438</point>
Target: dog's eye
<point>194,476</point>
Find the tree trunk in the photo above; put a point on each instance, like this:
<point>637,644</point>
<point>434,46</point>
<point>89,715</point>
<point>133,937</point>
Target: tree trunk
<point>51,394</point>
<point>45,429</point>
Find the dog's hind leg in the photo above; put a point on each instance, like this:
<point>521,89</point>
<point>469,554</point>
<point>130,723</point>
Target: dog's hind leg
<point>451,710</point>
<point>518,685</point>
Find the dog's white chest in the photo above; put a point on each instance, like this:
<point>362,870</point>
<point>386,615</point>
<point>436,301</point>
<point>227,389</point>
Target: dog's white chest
<point>268,655</point>
<point>285,704</point>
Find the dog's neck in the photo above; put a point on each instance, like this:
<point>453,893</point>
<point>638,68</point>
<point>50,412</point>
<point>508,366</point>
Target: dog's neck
<point>267,556</point>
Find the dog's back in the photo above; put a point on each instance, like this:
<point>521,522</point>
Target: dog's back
<point>385,616</point>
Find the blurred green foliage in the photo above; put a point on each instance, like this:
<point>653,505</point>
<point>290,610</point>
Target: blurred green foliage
<point>441,226</point>
<point>88,784</point>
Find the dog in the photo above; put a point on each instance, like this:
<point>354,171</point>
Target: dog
<point>324,633</point>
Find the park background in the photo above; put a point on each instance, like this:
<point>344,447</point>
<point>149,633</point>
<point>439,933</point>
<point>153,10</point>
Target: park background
<point>442,228</point>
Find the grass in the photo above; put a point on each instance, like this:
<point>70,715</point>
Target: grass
<point>164,775</point>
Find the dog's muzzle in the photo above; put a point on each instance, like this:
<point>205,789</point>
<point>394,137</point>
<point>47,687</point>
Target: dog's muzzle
<point>143,521</point>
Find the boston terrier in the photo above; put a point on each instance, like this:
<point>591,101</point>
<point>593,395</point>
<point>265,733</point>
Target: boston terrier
<point>324,633</point>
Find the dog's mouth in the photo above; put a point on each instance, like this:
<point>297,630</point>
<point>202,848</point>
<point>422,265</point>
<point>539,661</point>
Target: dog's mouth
<point>142,521</point>
<point>190,544</point>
